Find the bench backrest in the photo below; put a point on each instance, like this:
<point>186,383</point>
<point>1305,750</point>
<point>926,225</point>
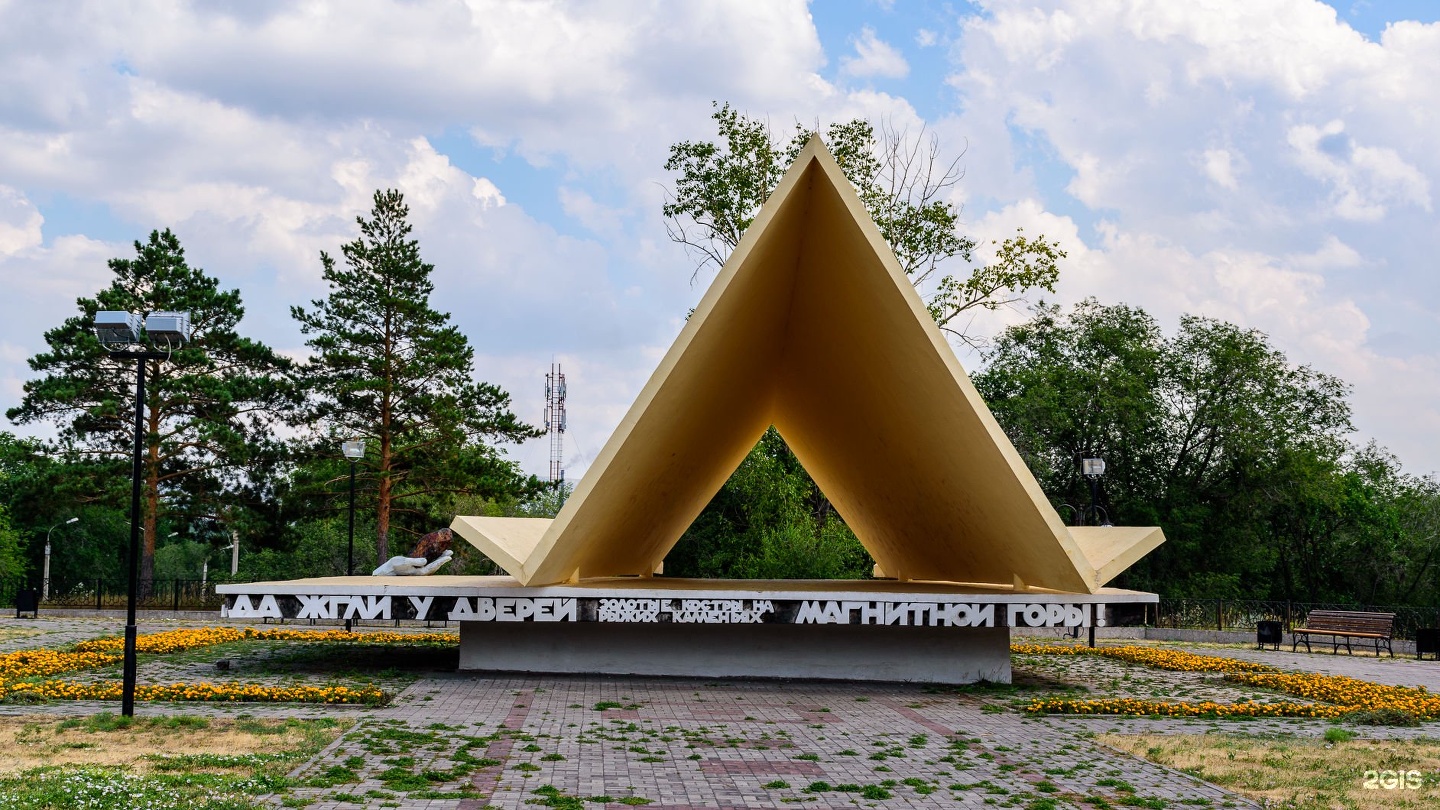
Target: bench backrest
<point>1350,621</point>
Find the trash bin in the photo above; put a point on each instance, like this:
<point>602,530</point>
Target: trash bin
<point>1427,642</point>
<point>1268,632</point>
<point>27,600</point>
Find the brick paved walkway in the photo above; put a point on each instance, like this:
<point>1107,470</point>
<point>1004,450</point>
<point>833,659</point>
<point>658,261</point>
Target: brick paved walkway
<point>704,744</point>
<point>728,744</point>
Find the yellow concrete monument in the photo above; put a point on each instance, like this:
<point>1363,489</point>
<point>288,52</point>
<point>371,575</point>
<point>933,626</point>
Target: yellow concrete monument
<point>812,327</point>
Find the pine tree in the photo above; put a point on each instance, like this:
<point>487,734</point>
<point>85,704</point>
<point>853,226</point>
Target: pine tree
<point>392,370</point>
<point>209,406</point>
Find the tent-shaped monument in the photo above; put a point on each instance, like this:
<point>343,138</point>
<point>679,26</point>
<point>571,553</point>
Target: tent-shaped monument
<point>812,327</point>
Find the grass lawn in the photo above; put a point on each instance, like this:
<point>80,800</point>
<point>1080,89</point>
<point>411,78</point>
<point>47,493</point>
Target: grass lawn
<point>181,761</point>
<point>1299,773</point>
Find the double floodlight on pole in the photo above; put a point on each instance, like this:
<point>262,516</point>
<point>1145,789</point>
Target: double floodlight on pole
<point>120,333</point>
<point>1092,469</point>
<point>45,575</point>
<point>354,450</point>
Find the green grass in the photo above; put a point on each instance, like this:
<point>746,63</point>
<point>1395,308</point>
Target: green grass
<point>198,782</point>
<point>1338,735</point>
<point>108,721</point>
<point>610,704</point>
<point>551,796</point>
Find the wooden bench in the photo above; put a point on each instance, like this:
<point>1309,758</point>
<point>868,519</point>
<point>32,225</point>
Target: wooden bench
<point>1345,624</point>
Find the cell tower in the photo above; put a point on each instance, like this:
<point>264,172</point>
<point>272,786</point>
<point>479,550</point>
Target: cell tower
<point>555,421</point>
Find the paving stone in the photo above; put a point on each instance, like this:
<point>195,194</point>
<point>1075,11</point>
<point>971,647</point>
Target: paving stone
<point>674,720</point>
<point>692,743</point>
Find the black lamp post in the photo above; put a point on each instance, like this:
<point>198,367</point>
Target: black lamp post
<point>119,333</point>
<point>354,450</point>
<point>1093,468</point>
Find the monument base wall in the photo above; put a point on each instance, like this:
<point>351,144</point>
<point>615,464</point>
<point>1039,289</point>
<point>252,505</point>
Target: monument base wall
<point>830,652</point>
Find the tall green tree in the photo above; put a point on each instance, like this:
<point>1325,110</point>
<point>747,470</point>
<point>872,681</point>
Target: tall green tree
<point>1211,433</point>
<point>40,487</point>
<point>764,524</point>
<point>389,368</point>
<point>904,183</point>
<point>12,550</point>
<point>209,407</point>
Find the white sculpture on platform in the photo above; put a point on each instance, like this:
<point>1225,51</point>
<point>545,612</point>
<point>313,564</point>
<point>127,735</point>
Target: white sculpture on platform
<point>411,566</point>
<point>431,552</point>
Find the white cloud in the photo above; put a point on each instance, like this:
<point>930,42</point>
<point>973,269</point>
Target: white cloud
<point>1192,139</point>
<point>487,193</point>
<point>529,74</point>
<point>874,57</point>
<point>19,222</point>
<point>41,286</point>
<point>1220,168</point>
<point>1332,254</point>
<point>1362,179</point>
<point>584,209</point>
<point>259,131</point>
<point>1259,162</point>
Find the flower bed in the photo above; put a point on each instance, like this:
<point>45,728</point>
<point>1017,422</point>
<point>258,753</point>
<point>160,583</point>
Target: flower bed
<point>1174,660</point>
<point>209,692</point>
<point>1336,695</point>
<point>188,639</point>
<point>1175,709</point>
<point>101,652</point>
<point>40,662</point>
<point>1350,693</point>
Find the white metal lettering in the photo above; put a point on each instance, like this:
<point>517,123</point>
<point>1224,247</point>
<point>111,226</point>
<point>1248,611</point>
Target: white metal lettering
<point>422,606</point>
<point>511,609</point>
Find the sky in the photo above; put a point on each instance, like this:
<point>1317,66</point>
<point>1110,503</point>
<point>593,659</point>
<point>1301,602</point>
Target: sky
<point>1272,163</point>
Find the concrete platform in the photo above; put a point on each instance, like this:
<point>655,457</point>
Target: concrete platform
<point>864,630</point>
<point>823,652</point>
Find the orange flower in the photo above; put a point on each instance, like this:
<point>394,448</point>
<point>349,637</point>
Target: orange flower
<point>1336,695</point>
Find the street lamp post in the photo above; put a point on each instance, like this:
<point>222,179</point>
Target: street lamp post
<point>45,575</point>
<point>354,450</point>
<point>119,332</point>
<point>1093,468</point>
<point>234,548</point>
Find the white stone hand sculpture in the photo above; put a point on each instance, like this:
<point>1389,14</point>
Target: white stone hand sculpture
<point>411,566</point>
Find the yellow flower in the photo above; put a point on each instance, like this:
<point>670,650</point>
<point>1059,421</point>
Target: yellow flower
<point>1337,695</point>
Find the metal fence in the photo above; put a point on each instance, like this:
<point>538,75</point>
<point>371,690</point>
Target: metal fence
<point>112,594</point>
<point>1242,614</point>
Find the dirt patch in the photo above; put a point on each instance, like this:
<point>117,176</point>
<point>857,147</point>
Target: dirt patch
<point>1301,773</point>
<point>11,633</point>
<point>35,740</point>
